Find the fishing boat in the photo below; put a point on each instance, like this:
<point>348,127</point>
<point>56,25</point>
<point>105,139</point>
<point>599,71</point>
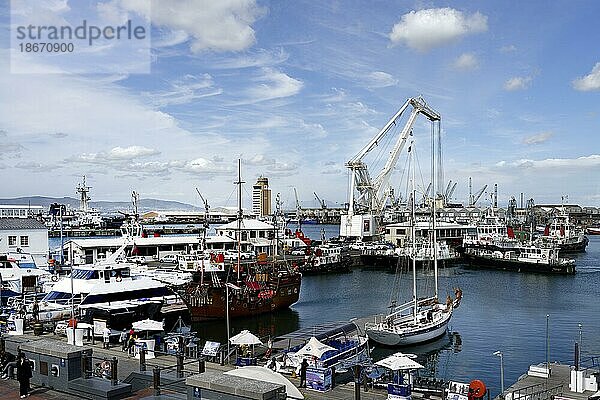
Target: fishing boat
<point>564,234</point>
<point>513,255</point>
<point>593,230</point>
<point>420,319</point>
<point>325,258</point>
<point>247,289</point>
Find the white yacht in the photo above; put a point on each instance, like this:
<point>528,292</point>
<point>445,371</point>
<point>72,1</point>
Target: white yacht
<point>19,274</point>
<point>104,282</point>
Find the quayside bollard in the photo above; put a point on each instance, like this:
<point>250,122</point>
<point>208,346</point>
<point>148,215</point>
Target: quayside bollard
<point>142,359</point>
<point>201,365</point>
<point>84,365</point>
<point>357,371</point>
<point>156,380</point>
<point>179,365</point>
<point>113,371</point>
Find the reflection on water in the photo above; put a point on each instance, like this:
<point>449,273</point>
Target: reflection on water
<point>435,356</point>
<point>263,326</point>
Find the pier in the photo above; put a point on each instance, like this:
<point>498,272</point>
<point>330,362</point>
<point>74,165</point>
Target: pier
<point>163,377</point>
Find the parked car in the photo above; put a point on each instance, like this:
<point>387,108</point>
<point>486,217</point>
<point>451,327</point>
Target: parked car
<point>169,258</point>
<point>137,259</point>
<point>233,255</point>
<point>298,252</point>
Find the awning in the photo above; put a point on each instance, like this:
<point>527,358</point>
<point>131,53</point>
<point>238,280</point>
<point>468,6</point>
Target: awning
<point>266,375</point>
<point>148,325</point>
<point>314,348</point>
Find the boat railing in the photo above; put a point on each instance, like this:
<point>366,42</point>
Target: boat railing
<point>539,391</point>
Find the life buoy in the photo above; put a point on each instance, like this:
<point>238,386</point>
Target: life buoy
<point>105,365</point>
<point>119,279</point>
<point>54,278</point>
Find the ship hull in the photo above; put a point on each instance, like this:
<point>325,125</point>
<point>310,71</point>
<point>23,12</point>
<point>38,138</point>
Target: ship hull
<point>479,262</point>
<point>214,307</point>
<point>388,337</point>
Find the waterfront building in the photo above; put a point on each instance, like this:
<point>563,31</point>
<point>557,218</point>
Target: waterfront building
<point>454,233</point>
<point>258,234</point>
<point>24,235</point>
<point>261,197</point>
<point>20,211</point>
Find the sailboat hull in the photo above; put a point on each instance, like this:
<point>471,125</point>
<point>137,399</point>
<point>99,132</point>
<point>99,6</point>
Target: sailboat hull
<point>394,336</point>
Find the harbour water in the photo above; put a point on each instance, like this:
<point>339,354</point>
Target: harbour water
<point>503,311</point>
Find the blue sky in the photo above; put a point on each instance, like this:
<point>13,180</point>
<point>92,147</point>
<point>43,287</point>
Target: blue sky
<point>295,89</point>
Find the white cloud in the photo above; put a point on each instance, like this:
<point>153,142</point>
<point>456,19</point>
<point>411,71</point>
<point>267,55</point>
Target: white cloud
<point>380,79</point>
<point>425,29</point>
<point>538,138</point>
<point>185,90</point>
<point>466,61</point>
<point>258,58</point>
<point>508,48</point>
<point>567,164</point>
<point>131,152</point>
<point>517,83</point>
<point>213,25</point>
<point>275,85</point>
<point>589,82</point>
<point>202,166</point>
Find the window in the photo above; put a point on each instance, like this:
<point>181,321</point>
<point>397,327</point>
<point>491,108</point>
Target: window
<point>12,240</point>
<point>24,240</point>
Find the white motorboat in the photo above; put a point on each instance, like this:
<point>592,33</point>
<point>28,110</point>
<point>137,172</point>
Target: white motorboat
<point>104,282</point>
<point>20,275</point>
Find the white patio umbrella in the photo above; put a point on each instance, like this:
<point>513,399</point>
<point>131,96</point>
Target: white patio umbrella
<point>148,325</point>
<point>266,375</point>
<point>399,362</point>
<point>313,348</point>
<point>245,337</point>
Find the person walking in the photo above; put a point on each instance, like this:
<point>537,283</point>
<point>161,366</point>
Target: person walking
<point>303,367</point>
<point>106,336</point>
<point>123,339</point>
<point>24,374</point>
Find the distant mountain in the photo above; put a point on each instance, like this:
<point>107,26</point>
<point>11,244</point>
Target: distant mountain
<point>104,206</point>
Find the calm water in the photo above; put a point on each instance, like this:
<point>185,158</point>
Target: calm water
<point>503,311</point>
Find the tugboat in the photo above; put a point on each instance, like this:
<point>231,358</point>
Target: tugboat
<point>242,290</point>
<point>565,235</point>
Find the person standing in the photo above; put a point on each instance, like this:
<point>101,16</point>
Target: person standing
<point>106,336</point>
<point>303,367</point>
<point>123,339</point>
<point>24,374</point>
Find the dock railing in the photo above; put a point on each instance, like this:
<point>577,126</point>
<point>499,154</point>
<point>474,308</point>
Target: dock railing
<point>538,391</point>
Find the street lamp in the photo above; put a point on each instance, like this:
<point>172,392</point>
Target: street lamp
<point>227,287</point>
<point>548,344</point>
<point>499,354</point>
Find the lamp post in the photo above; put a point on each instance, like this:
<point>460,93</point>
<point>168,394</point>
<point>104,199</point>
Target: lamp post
<point>548,344</point>
<point>499,354</point>
<point>227,287</point>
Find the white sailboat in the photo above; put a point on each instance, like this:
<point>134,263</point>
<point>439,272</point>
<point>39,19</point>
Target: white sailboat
<point>418,320</point>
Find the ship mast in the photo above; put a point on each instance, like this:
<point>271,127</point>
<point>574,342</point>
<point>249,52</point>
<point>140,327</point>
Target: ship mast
<point>434,198</point>
<point>240,216</point>
<point>206,226</point>
<point>413,232</point>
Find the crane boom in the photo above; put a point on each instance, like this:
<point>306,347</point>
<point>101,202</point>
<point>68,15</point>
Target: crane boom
<point>477,195</point>
<point>368,197</point>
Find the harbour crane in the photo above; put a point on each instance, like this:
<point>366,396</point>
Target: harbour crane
<point>298,209</point>
<point>474,198</point>
<point>367,196</point>
<point>450,189</point>
<point>321,202</point>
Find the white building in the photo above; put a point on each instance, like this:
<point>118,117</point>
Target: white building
<point>25,235</point>
<point>260,235</point>
<point>20,211</point>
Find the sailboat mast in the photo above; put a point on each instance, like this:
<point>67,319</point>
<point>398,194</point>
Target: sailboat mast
<point>433,217</point>
<point>240,216</point>
<point>413,234</point>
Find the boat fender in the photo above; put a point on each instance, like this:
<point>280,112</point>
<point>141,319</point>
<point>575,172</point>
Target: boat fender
<point>54,278</point>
